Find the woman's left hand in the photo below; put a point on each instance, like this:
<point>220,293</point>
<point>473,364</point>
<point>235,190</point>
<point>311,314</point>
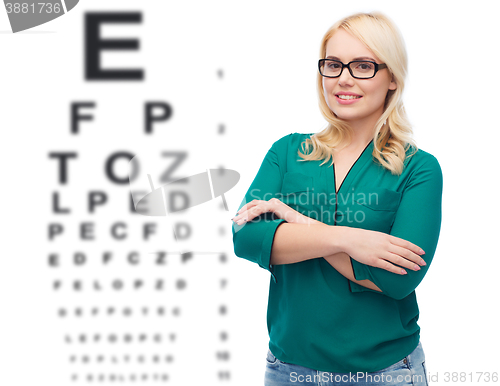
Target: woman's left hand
<point>256,207</point>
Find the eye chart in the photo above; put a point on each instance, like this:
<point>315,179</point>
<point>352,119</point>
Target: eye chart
<point>121,117</point>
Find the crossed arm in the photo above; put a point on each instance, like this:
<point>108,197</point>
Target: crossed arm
<point>301,238</point>
<point>340,260</point>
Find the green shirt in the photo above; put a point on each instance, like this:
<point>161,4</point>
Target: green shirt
<point>316,317</point>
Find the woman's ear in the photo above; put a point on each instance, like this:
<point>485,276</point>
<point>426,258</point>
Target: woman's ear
<point>393,86</point>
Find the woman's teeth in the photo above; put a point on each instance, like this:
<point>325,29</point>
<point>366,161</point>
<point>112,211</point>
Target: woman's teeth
<point>348,96</point>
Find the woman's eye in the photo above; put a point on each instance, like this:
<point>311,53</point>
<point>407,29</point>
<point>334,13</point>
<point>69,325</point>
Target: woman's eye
<point>333,65</point>
<point>364,66</point>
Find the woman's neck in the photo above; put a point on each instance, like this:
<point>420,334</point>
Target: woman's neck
<point>362,133</point>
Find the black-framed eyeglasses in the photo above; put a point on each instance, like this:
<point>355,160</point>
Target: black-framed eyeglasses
<point>359,69</point>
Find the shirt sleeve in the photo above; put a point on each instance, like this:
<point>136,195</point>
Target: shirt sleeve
<point>253,240</point>
<point>418,220</point>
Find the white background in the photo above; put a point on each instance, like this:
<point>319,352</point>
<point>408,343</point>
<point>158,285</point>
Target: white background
<point>268,52</point>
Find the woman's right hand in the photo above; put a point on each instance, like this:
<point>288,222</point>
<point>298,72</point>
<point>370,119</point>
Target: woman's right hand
<point>381,250</point>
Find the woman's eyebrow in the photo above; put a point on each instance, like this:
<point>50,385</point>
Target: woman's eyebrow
<point>358,58</point>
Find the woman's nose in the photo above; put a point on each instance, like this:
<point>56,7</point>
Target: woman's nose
<point>345,79</point>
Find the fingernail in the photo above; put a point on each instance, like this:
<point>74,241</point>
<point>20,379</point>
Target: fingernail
<point>423,262</point>
<point>421,251</point>
<point>416,267</point>
<point>403,272</point>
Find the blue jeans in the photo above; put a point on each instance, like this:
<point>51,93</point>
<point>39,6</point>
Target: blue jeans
<point>409,371</point>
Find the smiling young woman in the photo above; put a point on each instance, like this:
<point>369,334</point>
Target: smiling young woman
<point>346,243</point>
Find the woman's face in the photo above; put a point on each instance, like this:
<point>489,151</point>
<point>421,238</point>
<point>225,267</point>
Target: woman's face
<point>366,109</point>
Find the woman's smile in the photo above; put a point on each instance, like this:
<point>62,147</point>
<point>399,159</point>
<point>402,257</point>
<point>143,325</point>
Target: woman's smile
<point>347,98</point>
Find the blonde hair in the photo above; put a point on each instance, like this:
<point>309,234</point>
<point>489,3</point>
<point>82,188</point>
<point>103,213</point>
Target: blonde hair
<point>393,132</point>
